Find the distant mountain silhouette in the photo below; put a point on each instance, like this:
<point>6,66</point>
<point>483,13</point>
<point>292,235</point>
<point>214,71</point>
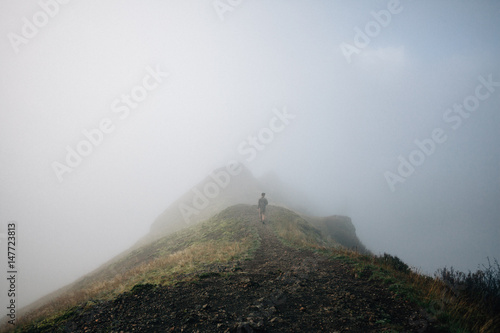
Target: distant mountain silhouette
<point>219,190</point>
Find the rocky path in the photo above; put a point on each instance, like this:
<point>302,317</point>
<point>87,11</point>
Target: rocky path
<point>280,290</point>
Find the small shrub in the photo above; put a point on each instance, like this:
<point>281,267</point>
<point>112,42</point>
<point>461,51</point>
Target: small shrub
<point>482,286</point>
<point>394,262</point>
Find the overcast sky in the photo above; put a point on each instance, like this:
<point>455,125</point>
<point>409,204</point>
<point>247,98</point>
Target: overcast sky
<point>110,110</point>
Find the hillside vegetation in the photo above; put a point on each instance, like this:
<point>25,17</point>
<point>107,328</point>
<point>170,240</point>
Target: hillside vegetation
<point>223,239</point>
<point>232,273</point>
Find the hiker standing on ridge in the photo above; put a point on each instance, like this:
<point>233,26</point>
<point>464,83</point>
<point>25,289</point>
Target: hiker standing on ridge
<point>261,205</point>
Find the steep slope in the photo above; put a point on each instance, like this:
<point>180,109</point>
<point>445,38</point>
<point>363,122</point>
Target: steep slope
<point>339,229</point>
<point>221,239</point>
<point>203,279</point>
<point>279,288</point>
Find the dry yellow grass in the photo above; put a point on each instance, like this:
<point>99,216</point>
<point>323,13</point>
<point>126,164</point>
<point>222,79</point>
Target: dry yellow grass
<point>181,255</point>
<point>157,271</point>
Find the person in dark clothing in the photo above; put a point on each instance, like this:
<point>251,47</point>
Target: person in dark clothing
<point>261,205</point>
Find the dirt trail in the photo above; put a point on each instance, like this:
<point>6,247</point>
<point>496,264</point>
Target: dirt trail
<point>281,290</point>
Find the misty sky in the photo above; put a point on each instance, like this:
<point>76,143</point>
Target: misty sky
<point>178,88</point>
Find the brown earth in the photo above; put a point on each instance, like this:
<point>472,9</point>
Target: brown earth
<point>281,290</point>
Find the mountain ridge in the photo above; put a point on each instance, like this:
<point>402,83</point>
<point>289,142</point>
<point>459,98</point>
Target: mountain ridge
<point>232,273</point>
<point>223,187</point>
<point>275,280</point>
<point>132,259</point>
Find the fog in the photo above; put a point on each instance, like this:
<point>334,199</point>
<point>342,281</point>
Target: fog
<point>385,111</point>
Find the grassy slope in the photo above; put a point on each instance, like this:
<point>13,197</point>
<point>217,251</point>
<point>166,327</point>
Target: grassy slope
<point>454,311</point>
<point>228,237</point>
<point>225,238</point>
